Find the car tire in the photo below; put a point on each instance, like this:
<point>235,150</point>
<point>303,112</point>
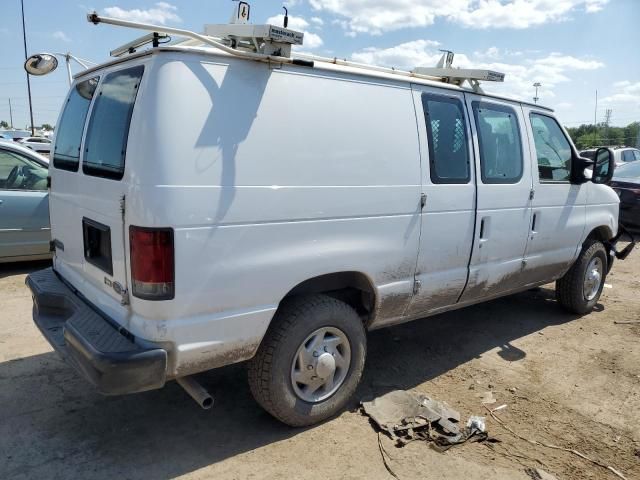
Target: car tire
<point>290,344</point>
<point>578,291</point>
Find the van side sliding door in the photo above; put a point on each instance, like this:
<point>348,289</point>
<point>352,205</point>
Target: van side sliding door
<point>448,211</point>
<point>503,203</point>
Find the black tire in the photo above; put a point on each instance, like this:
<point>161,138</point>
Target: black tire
<point>569,289</point>
<point>269,371</point>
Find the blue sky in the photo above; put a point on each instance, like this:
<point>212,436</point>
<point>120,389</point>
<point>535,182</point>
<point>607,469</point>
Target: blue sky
<point>572,47</point>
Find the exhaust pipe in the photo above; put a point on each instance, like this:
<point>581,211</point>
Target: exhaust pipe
<point>196,391</point>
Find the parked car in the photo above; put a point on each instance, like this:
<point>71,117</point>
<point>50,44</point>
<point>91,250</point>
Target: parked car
<point>626,183</point>
<point>24,204</point>
<point>296,208</point>
<point>621,155</point>
<point>39,144</point>
<point>15,134</point>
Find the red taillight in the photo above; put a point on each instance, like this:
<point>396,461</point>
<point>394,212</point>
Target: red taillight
<point>152,263</point>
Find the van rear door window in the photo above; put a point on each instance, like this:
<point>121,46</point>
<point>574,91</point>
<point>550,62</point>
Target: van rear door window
<point>108,130</point>
<point>447,139</point>
<point>69,133</point>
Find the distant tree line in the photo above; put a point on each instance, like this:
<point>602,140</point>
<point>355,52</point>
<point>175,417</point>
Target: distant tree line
<point>4,125</point>
<point>586,136</point>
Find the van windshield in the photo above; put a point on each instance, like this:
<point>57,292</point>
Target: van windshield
<point>69,135</point>
<point>108,130</point>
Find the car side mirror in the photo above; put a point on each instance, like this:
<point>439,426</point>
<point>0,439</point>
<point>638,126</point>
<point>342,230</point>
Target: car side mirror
<point>604,166</point>
<point>580,170</point>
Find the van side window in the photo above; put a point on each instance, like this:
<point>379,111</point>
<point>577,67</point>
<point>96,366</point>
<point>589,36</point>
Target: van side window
<point>447,139</point>
<point>66,155</point>
<point>499,141</point>
<point>108,130</point>
<point>552,149</point>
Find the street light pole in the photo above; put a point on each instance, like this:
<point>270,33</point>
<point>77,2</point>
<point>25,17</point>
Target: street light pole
<point>10,114</point>
<point>24,38</point>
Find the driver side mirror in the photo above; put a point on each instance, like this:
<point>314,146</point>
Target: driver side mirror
<point>603,166</point>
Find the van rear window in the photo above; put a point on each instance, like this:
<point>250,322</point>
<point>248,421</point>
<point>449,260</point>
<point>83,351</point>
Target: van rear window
<point>108,130</point>
<point>69,135</point>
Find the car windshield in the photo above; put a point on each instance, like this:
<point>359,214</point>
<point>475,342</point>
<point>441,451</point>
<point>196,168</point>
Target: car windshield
<point>630,170</point>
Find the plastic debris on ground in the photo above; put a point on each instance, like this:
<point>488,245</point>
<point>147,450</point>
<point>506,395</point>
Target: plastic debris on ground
<point>406,417</point>
<point>486,398</point>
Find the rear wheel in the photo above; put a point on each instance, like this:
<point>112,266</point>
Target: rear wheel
<point>580,288</point>
<point>310,361</point>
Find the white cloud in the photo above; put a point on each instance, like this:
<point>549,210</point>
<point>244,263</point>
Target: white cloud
<point>311,40</point>
<point>378,16</point>
<point>404,56</point>
<point>490,53</point>
<point>317,21</point>
<point>593,6</point>
<point>627,95</point>
<point>60,35</point>
<point>550,70</point>
<point>161,12</point>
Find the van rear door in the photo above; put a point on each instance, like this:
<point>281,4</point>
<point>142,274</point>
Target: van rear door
<point>88,193</point>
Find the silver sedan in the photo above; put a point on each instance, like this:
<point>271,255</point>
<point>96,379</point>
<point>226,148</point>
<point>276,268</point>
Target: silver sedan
<point>24,204</point>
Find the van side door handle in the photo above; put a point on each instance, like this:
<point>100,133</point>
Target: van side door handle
<point>485,230</point>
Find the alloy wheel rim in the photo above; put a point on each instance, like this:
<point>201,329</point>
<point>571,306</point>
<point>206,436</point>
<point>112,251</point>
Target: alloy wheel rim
<point>320,365</point>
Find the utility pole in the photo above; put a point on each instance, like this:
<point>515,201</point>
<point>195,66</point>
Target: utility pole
<point>24,38</point>
<point>10,115</point>
<point>607,118</point>
<point>536,98</point>
<point>595,122</point>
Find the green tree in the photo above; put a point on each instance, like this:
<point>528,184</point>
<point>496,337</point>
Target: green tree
<point>4,124</point>
<point>46,126</point>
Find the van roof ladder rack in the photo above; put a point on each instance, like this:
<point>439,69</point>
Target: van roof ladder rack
<point>269,43</point>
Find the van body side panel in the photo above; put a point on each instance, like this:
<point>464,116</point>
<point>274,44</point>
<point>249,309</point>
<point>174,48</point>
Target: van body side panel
<point>269,177</point>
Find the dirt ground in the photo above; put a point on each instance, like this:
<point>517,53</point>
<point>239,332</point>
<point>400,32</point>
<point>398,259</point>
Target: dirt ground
<point>568,381</point>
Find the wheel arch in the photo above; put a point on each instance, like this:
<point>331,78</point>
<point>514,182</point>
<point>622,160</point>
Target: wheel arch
<point>352,287</point>
<point>602,233</point>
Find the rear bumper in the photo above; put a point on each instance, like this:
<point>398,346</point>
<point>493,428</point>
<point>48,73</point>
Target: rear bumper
<point>106,355</point>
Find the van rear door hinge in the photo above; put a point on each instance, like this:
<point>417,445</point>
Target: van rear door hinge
<point>417,285</point>
<point>122,205</point>
<point>532,193</point>
<point>423,200</point>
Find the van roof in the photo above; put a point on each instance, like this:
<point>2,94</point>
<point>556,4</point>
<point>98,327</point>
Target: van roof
<point>405,78</point>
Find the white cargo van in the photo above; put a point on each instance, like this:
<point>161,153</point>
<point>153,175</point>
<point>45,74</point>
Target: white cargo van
<point>211,207</point>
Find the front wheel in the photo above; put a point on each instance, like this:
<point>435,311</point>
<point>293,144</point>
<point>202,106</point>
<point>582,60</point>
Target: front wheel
<point>580,288</point>
<point>310,361</point>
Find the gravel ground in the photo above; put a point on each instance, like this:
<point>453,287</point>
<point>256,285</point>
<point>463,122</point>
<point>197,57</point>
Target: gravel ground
<point>568,381</point>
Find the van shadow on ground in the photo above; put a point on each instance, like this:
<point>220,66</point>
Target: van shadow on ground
<point>53,425</point>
